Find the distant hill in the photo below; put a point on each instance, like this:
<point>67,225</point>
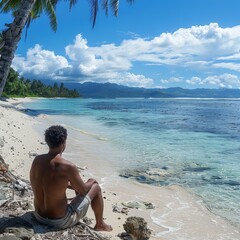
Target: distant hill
<point>203,92</point>
<point>111,90</point>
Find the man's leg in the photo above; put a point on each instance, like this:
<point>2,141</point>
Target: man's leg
<point>95,195</point>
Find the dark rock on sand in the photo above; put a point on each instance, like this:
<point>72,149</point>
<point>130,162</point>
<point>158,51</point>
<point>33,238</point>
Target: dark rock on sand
<point>136,227</point>
<point>138,205</point>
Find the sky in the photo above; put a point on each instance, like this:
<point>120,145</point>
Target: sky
<point>151,43</point>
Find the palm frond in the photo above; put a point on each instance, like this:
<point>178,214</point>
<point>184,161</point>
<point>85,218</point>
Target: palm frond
<point>94,8</point>
<point>72,3</point>
<point>50,10</point>
<point>37,9</point>
<point>3,2</point>
<point>105,6</point>
<point>28,22</point>
<point>43,5</point>
<point>8,5</point>
<point>130,1</point>
<point>114,5</point>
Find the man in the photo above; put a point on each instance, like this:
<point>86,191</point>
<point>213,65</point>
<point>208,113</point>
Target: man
<point>51,175</point>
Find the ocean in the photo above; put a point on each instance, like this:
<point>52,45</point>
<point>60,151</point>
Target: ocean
<point>193,143</point>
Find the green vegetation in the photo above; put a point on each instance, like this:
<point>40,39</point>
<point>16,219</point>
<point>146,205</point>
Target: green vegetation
<point>20,87</point>
<point>24,12</point>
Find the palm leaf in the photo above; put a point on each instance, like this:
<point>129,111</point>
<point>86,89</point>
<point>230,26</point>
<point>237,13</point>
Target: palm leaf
<point>114,5</point>
<point>72,3</point>
<point>40,5</point>
<point>94,7</point>
<point>105,6</point>
<point>130,1</point>
<point>8,5</point>
<point>50,10</point>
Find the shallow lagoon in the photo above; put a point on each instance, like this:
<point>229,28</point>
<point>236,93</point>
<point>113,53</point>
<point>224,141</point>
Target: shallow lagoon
<point>193,143</point>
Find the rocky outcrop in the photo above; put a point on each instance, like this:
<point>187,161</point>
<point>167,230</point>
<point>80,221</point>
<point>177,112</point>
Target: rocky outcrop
<point>137,228</point>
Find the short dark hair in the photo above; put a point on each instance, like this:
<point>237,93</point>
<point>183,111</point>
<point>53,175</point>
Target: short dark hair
<point>55,136</point>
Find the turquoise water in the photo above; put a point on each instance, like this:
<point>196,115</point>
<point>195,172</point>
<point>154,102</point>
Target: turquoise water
<point>189,142</point>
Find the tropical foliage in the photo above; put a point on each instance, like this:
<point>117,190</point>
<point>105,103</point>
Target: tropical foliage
<point>20,87</point>
<point>24,12</point>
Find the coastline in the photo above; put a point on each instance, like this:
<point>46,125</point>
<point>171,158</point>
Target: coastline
<point>177,214</point>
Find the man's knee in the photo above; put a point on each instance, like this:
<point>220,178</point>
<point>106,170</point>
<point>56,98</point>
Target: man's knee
<point>96,187</point>
<point>94,191</point>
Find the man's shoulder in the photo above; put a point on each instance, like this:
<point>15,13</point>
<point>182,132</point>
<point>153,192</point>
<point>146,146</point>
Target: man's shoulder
<point>62,161</point>
<point>39,157</point>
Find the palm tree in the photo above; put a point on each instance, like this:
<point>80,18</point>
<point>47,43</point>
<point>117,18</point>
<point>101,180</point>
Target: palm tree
<point>1,41</point>
<point>24,12</point>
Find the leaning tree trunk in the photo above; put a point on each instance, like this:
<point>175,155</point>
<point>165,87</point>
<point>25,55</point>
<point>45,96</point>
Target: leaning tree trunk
<point>11,37</point>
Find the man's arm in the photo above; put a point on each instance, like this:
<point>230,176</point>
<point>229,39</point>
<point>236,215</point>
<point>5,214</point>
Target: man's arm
<point>77,183</point>
<point>90,182</point>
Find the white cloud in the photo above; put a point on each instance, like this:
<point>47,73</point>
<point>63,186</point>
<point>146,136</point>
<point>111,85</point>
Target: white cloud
<point>39,62</point>
<point>194,81</point>
<point>228,65</point>
<point>223,81</point>
<point>172,80</point>
<point>202,48</point>
<point>130,79</point>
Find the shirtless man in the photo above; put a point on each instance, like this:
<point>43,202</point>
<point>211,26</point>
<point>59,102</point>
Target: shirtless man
<point>51,175</point>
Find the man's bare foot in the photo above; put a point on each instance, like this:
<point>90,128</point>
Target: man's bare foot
<point>103,227</point>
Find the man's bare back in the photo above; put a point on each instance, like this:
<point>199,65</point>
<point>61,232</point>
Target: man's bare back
<point>51,175</point>
<point>49,179</point>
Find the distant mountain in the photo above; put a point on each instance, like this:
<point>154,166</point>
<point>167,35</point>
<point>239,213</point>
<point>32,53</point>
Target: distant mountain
<point>203,92</point>
<point>111,90</point>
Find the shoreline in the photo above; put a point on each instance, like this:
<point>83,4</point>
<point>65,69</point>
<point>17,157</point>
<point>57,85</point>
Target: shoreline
<point>177,212</point>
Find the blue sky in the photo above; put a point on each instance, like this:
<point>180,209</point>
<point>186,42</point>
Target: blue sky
<point>152,43</point>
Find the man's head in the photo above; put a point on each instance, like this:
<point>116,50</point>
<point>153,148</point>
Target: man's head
<point>55,136</point>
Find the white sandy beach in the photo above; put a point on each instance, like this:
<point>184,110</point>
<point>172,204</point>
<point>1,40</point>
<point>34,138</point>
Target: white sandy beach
<point>178,214</point>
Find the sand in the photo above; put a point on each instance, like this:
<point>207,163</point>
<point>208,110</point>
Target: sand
<point>178,214</point>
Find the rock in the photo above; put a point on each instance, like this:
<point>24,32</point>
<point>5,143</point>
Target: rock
<point>149,175</point>
<point>22,233</point>
<point>125,211</point>
<point>138,204</point>
<point>9,238</point>
<point>136,227</point>
<point>115,208</point>
<point>124,236</point>
<point>87,220</point>
<point>21,186</point>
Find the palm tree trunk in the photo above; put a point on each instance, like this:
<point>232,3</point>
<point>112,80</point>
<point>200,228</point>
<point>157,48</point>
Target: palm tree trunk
<point>11,37</point>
